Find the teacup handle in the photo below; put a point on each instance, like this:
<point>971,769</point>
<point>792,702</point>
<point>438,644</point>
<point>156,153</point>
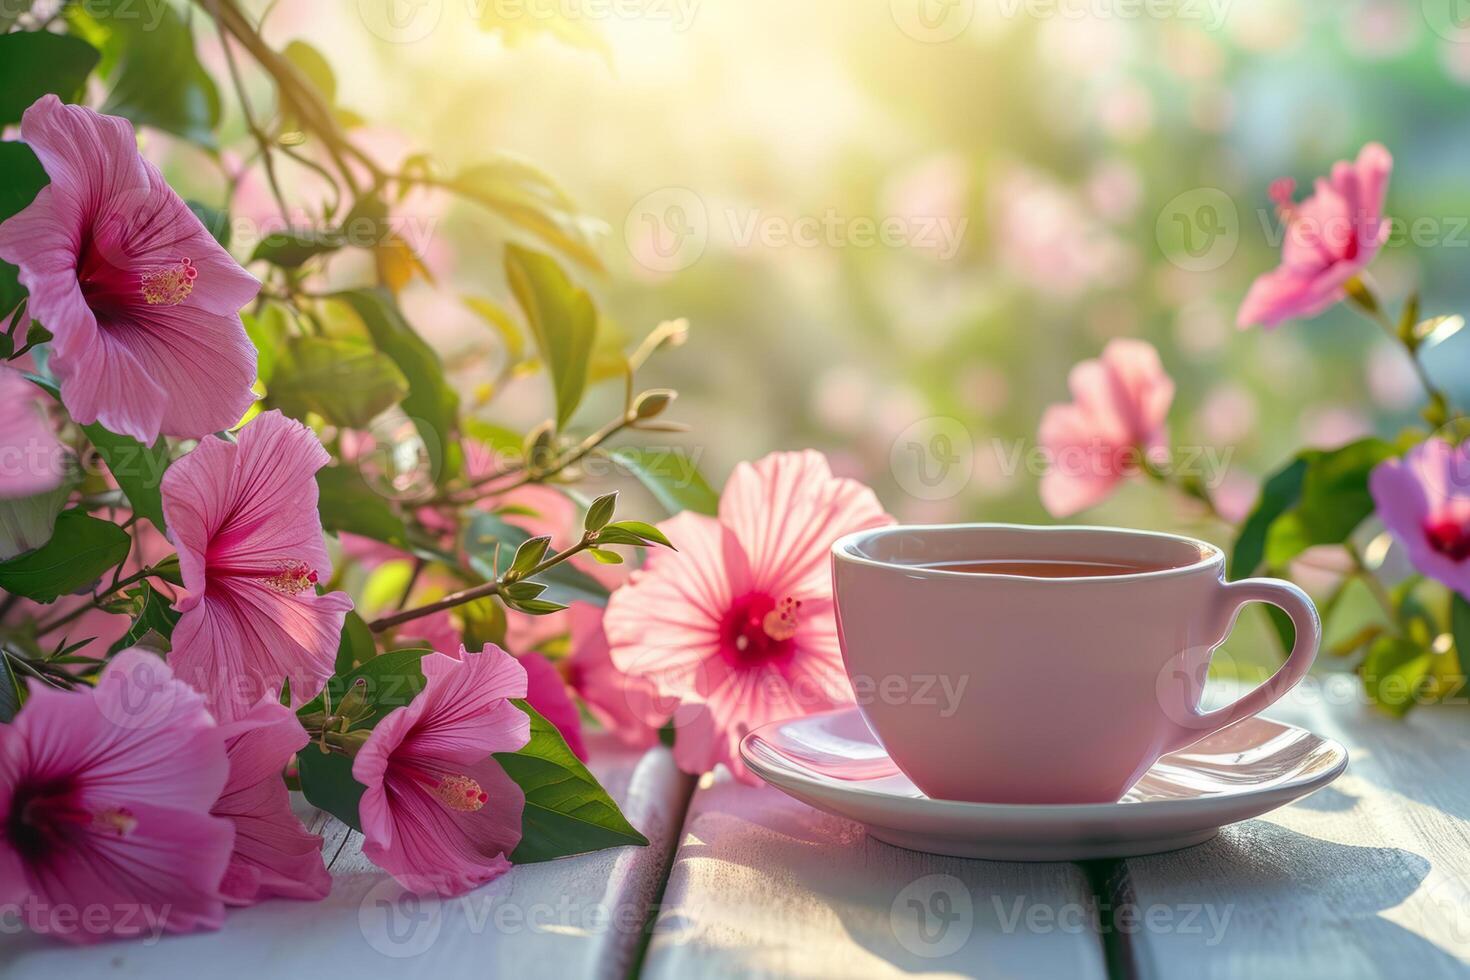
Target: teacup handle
<point>1297,605</point>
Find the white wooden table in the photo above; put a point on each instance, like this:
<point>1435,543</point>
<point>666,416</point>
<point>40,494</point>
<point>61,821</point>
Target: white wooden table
<point>1368,878</point>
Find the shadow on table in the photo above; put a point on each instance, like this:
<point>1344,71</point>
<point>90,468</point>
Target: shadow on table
<point>1287,904</point>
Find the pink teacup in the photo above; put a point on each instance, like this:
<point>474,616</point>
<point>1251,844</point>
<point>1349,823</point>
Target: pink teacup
<point>1004,688</point>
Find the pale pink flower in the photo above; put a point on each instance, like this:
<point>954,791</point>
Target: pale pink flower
<point>1119,407</point>
<point>628,706</point>
<point>244,518</point>
<point>105,800</point>
<point>143,302</point>
<point>1424,500</point>
<point>274,855</point>
<point>739,621</point>
<point>32,461</point>
<point>439,813</point>
<point>1329,239</point>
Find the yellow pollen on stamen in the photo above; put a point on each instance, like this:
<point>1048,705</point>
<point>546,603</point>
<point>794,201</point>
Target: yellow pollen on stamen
<point>118,821</point>
<point>460,793</point>
<point>292,578</point>
<point>170,285</point>
<point>780,623</point>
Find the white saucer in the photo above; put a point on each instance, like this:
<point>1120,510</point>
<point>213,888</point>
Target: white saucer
<point>833,762</point>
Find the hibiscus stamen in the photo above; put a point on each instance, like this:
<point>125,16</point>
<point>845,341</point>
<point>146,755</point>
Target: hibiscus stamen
<point>780,623</point>
<point>454,790</point>
<point>118,821</point>
<point>292,578</point>
<point>170,285</point>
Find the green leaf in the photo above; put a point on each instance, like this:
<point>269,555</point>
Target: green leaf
<point>347,383</point>
<point>1321,498</point>
<point>268,331</point>
<point>606,557</point>
<point>530,200</point>
<point>154,614</point>
<point>1279,493</point>
<point>37,63</point>
<point>157,80</point>
<point>565,582</point>
<point>503,323</point>
<point>290,249</point>
<point>646,532</point>
<point>26,523</point>
<point>563,321</point>
<point>349,504</point>
<point>12,695</point>
<point>1460,626</point>
<point>431,403</point>
<point>80,552</point>
<point>672,478</point>
<point>1393,672</point>
<point>393,680</point>
<point>326,781</point>
<point>529,554</point>
<point>532,607</point>
<point>600,512</point>
<point>137,468</point>
<point>357,645</point>
<point>21,178</point>
<point>567,810</point>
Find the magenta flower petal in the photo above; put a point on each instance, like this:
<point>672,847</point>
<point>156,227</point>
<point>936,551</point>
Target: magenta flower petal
<point>32,460</point>
<point>439,814</point>
<point>244,518</point>
<point>737,627</point>
<point>1119,409</point>
<point>274,856</point>
<point>1329,238</point>
<point>142,301</point>
<point>105,800</point>
<point>1424,501</point>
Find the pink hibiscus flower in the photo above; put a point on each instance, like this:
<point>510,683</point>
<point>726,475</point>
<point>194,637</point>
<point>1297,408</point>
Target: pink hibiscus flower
<point>547,692</point>
<point>439,814</point>
<point>105,796</point>
<point>1329,239</point>
<point>143,302</point>
<point>737,625</point>
<point>630,707</point>
<point>1424,500</point>
<point>274,855</point>
<point>31,459</point>
<point>1117,415</point>
<point>244,518</point>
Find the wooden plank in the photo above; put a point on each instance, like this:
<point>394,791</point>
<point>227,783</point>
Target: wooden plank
<point>764,886</point>
<point>569,919</point>
<point>1369,877</point>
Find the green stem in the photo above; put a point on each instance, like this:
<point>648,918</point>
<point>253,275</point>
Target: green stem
<point>385,623</point>
<point>43,628</point>
<point>1362,298</point>
<point>525,473</point>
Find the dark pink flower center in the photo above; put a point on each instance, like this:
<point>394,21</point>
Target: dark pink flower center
<point>759,628</point>
<point>45,818</point>
<point>115,286</point>
<point>1449,538</point>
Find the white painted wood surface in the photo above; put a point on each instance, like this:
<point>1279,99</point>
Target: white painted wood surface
<point>764,886</point>
<point>578,917</point>
<point>1369,877</point>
